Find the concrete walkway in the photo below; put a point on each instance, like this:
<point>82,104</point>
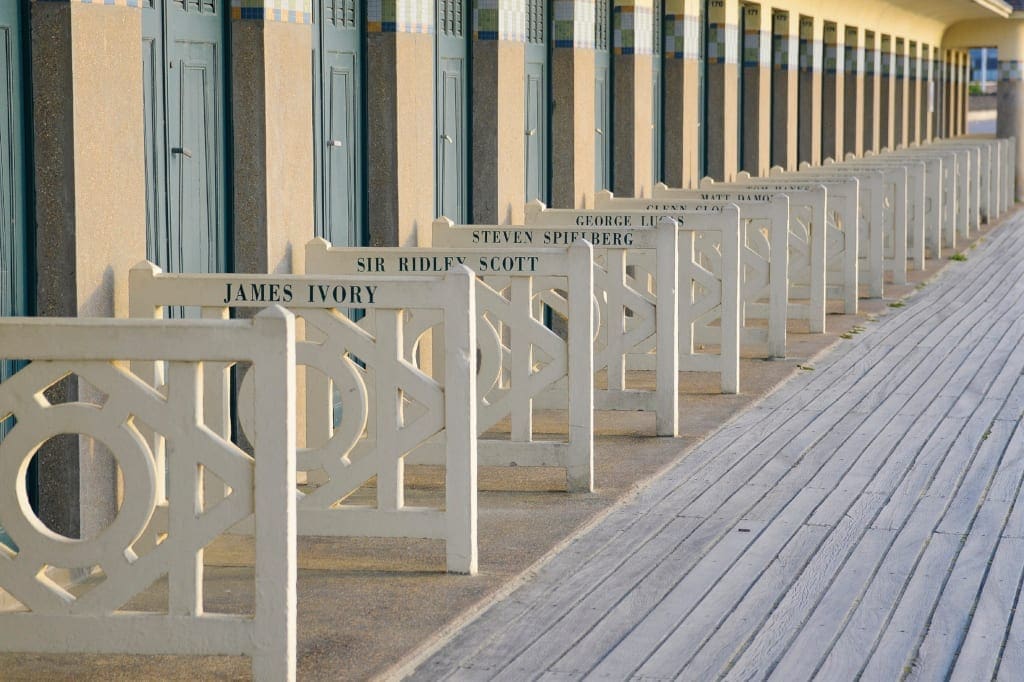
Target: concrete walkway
<point>862,520</point>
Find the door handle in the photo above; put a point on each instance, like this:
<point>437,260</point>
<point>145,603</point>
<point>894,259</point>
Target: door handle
<point>531,132</point>
<point>335,143</point>
<point>447,138</point>
<point>598,131</point>
<point>184,151</point>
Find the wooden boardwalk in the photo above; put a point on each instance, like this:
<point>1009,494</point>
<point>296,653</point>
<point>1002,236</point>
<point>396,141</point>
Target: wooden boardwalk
<point>860,522</point>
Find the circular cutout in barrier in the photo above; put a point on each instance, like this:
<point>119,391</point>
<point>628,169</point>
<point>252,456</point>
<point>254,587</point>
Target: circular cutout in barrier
<point>129,451</point>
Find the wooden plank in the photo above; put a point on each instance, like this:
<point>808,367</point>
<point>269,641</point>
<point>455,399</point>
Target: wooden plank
<point>857,635</point>
<point>784,577</point>
<point>690,591</point>
<point>944,630</point>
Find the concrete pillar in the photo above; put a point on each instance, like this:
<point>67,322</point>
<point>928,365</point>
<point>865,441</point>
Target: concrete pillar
<point>949,95</point>
<point>681,78</point>
<point>872,87</point>
<point>757,78</point>
<point>939,94</point>
<point>272,114</point>
<point>498,116</point>
<point>927,95</point>
<point>721,88</point>
<point>853,92</point>
<point>965,73</point>
<point>954,95</point>
<point>886,94</point>
<point>785,88</point>
<point>1010,110</point>
<point>912,92</point>
<point>633,117</point>
<point>400,143</point>
<point>900,96</point>
<point>832,94</point>
<point>90,214</point>
<point>809,116</point>
<point>572,113</point>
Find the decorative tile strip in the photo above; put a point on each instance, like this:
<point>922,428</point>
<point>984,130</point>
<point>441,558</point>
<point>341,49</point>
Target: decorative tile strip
<point>288,11</point>
<point>400,16</point>
<point>810,55</point>
<point>574,23</point>
<point>121,3</point>
<point>1011,70</point>
<point>501,20</point>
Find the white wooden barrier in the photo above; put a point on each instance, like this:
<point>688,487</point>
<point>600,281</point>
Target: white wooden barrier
<point>876,224</point>
<point>654,324</point>
<point>913,187</point>
<point>968,186</point>
<point>940,193</point>
<point>764,254</point>
<point>842,216</point>
<point>807,235</point>
<point>893,194</point>
<point>519,358</point>
<point>389,408</point>
<point>93,619</point>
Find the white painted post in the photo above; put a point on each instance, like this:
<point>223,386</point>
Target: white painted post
<point>779,274</point>
<point>580,471</point>
<point>460,403</point>
<point>668,327</point>
<point>731,245</point>
<point>274,500</point>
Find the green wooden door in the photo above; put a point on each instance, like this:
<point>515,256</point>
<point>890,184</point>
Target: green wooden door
<point>338,119</point>
<point>185,98</point>
<point>452,111</point>
<point>14,222</point>
<point>537,101</point>
<point>13,219</point>
<point>602,95</point>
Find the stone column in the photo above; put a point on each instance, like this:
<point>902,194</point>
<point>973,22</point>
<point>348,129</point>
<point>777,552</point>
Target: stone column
<point>90,214</point>
<point>721,88</point>
<point>572,113</point>
<point>400,143</point>
<point>631,67</point>
<point>954,95</point>
<point>832,95</point>
<point>927,102</point>
<point>498,115</point>
<point>872,87</point>
<point>757,75</point>
<point>965,76</point>
<point>949,92</point>
<point>785,88</point>
<point>1010,110</point>
<point>809,116</point>
<point>886,94</point>
<point>272,114</point>
<point>853,92</point>
<point>912,94</point>
<point>681,76</point>
<point>900,96</point>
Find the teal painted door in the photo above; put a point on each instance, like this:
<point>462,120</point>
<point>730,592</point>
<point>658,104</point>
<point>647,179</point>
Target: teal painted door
<point>602,95</point>
<point>14,295</point>
<point>452,111</point>
<point>338,123</point>
<point>537,101</point>
<point>13,219</point>
<point>185,99</point>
